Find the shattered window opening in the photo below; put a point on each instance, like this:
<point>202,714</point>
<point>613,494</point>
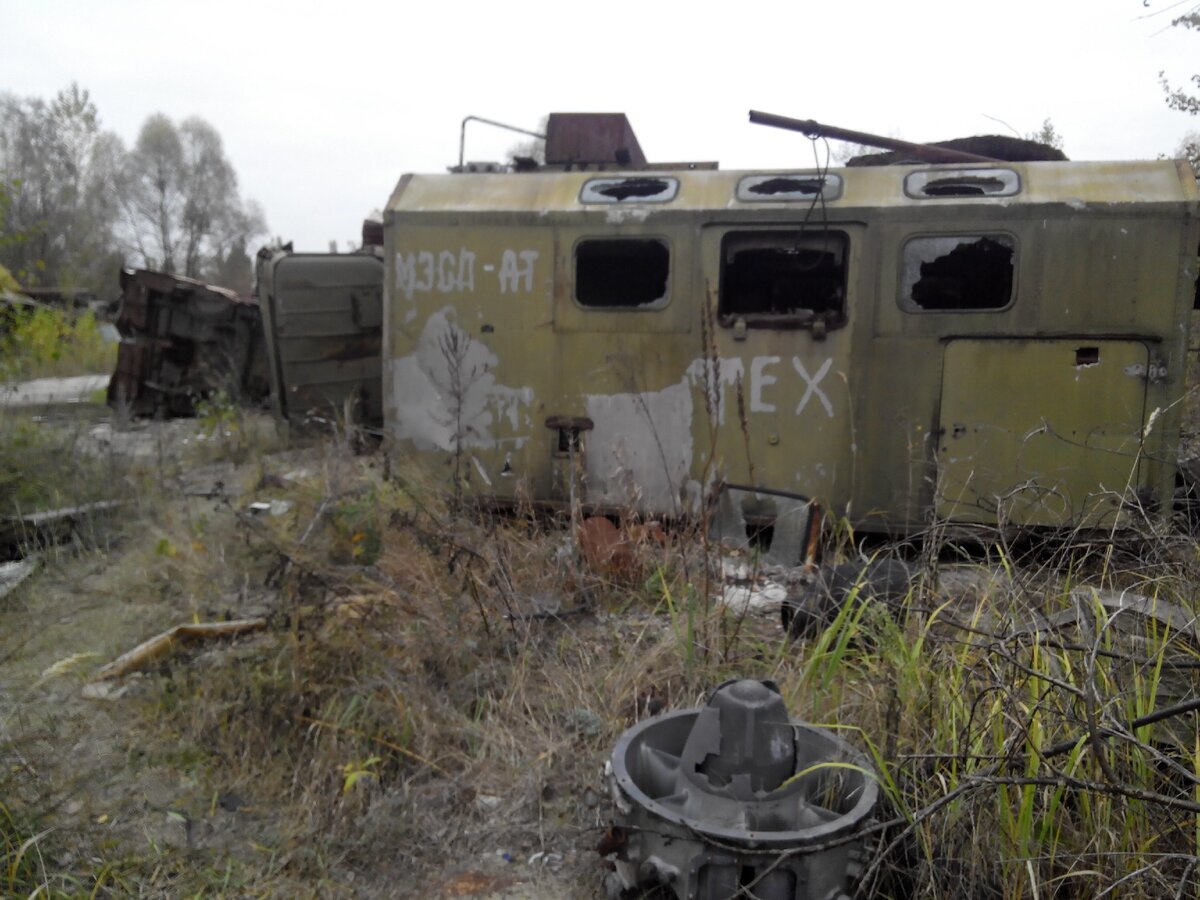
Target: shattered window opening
<point>963,187</point>
<point>570,440</point>
<point>764,188</point>
<point>959,272</point>
<point>780,278</point>
<point>622,273</point>
<point>963,183</point>
<point>641,188</point>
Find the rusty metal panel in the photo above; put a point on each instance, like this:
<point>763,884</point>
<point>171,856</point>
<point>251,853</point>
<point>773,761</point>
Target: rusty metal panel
<point>182,340</point>
<point>592,138</point>
<point>323,316</point>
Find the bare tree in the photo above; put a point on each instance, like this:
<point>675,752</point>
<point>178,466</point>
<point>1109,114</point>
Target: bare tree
<point>1177,97</point>
<point>56,167</point>
<point>183,211</point>
<point>1189,149</point>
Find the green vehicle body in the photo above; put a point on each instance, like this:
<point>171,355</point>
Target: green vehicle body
<point>981,344</point>
<point>323,316</point>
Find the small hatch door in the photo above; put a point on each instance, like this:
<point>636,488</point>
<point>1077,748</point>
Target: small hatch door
<point>1040,432</point>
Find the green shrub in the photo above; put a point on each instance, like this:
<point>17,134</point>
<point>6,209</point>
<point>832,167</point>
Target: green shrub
<point>44,342</point>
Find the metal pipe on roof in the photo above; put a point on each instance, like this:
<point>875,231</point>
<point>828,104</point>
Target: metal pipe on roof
<point>462,138</point>
<point>813,129</point>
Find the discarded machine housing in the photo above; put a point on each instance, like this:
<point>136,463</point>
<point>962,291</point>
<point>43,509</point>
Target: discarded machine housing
<point>977,343</point>
<point>183,340</point>
<point>323,315</point>
<point>721,801</point>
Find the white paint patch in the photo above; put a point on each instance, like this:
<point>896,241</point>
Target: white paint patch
<point>479,468</point>
<point>716,377</point>
<point>618,216</point>
<point>445,398</point>
<point>640,452</point>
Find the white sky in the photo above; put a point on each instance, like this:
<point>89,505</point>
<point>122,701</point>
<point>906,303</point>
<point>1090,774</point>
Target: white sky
<point>323,106</point>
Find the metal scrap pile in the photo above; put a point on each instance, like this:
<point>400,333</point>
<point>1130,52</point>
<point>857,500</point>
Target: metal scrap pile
<point>183,340</point>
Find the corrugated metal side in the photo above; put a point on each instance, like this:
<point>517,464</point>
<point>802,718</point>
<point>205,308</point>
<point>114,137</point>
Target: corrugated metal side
<point>323,315</point>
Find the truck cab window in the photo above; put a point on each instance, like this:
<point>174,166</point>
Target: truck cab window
<point>783,278</point>
<point>622,273</point>
<point>958,272</point>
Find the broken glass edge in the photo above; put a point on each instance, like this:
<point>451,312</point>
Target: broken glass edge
<point>593,188</point>
<point>915,183</point>
<point>658,303</point>
<point>904,294</point>
<point>831,190</point>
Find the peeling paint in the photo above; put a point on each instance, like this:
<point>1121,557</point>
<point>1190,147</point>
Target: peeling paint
<point>424,402</point>
<point>640,452</point>
<point>1154,373</point>
<point>618,216</point>
<point>482,472</point>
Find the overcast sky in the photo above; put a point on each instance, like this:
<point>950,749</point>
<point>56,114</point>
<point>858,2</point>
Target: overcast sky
<point>323,106</point>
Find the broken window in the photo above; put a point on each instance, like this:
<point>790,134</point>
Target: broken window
<point>621,273</point>
<point>763,188</point>
<point>963,183</point>
<point>959,272</point>
<point>639,189</point>
<point>782,278</point>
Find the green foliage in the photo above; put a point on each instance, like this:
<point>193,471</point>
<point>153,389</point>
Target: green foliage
<point>1177,97</point>
<point>74,202</point>
<point>42,342</point>
<point>7,282</point>
<point>354,772</point>
<point>358,531</point>
<point>222,425</point>
<point>1047,135</point>
<point>21,873</point>
<point>43,468</point>
<point>1189,149</point>
<point>218,415</point>
<point>59,206</point>
<point>181,202</point>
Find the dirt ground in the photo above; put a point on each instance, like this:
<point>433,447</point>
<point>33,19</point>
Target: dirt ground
<point>421,698</point>
<point>123,801</point>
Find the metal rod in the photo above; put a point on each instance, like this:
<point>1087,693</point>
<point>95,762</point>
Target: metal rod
<point>814,129</point>
<point>462,138</point>
<point>770,492</point>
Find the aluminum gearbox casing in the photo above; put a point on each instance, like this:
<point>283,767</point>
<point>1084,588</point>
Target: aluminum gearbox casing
<point>725,800</point>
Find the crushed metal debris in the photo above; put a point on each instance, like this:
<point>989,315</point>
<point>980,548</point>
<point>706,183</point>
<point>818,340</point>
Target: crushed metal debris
<point>183,340</point>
